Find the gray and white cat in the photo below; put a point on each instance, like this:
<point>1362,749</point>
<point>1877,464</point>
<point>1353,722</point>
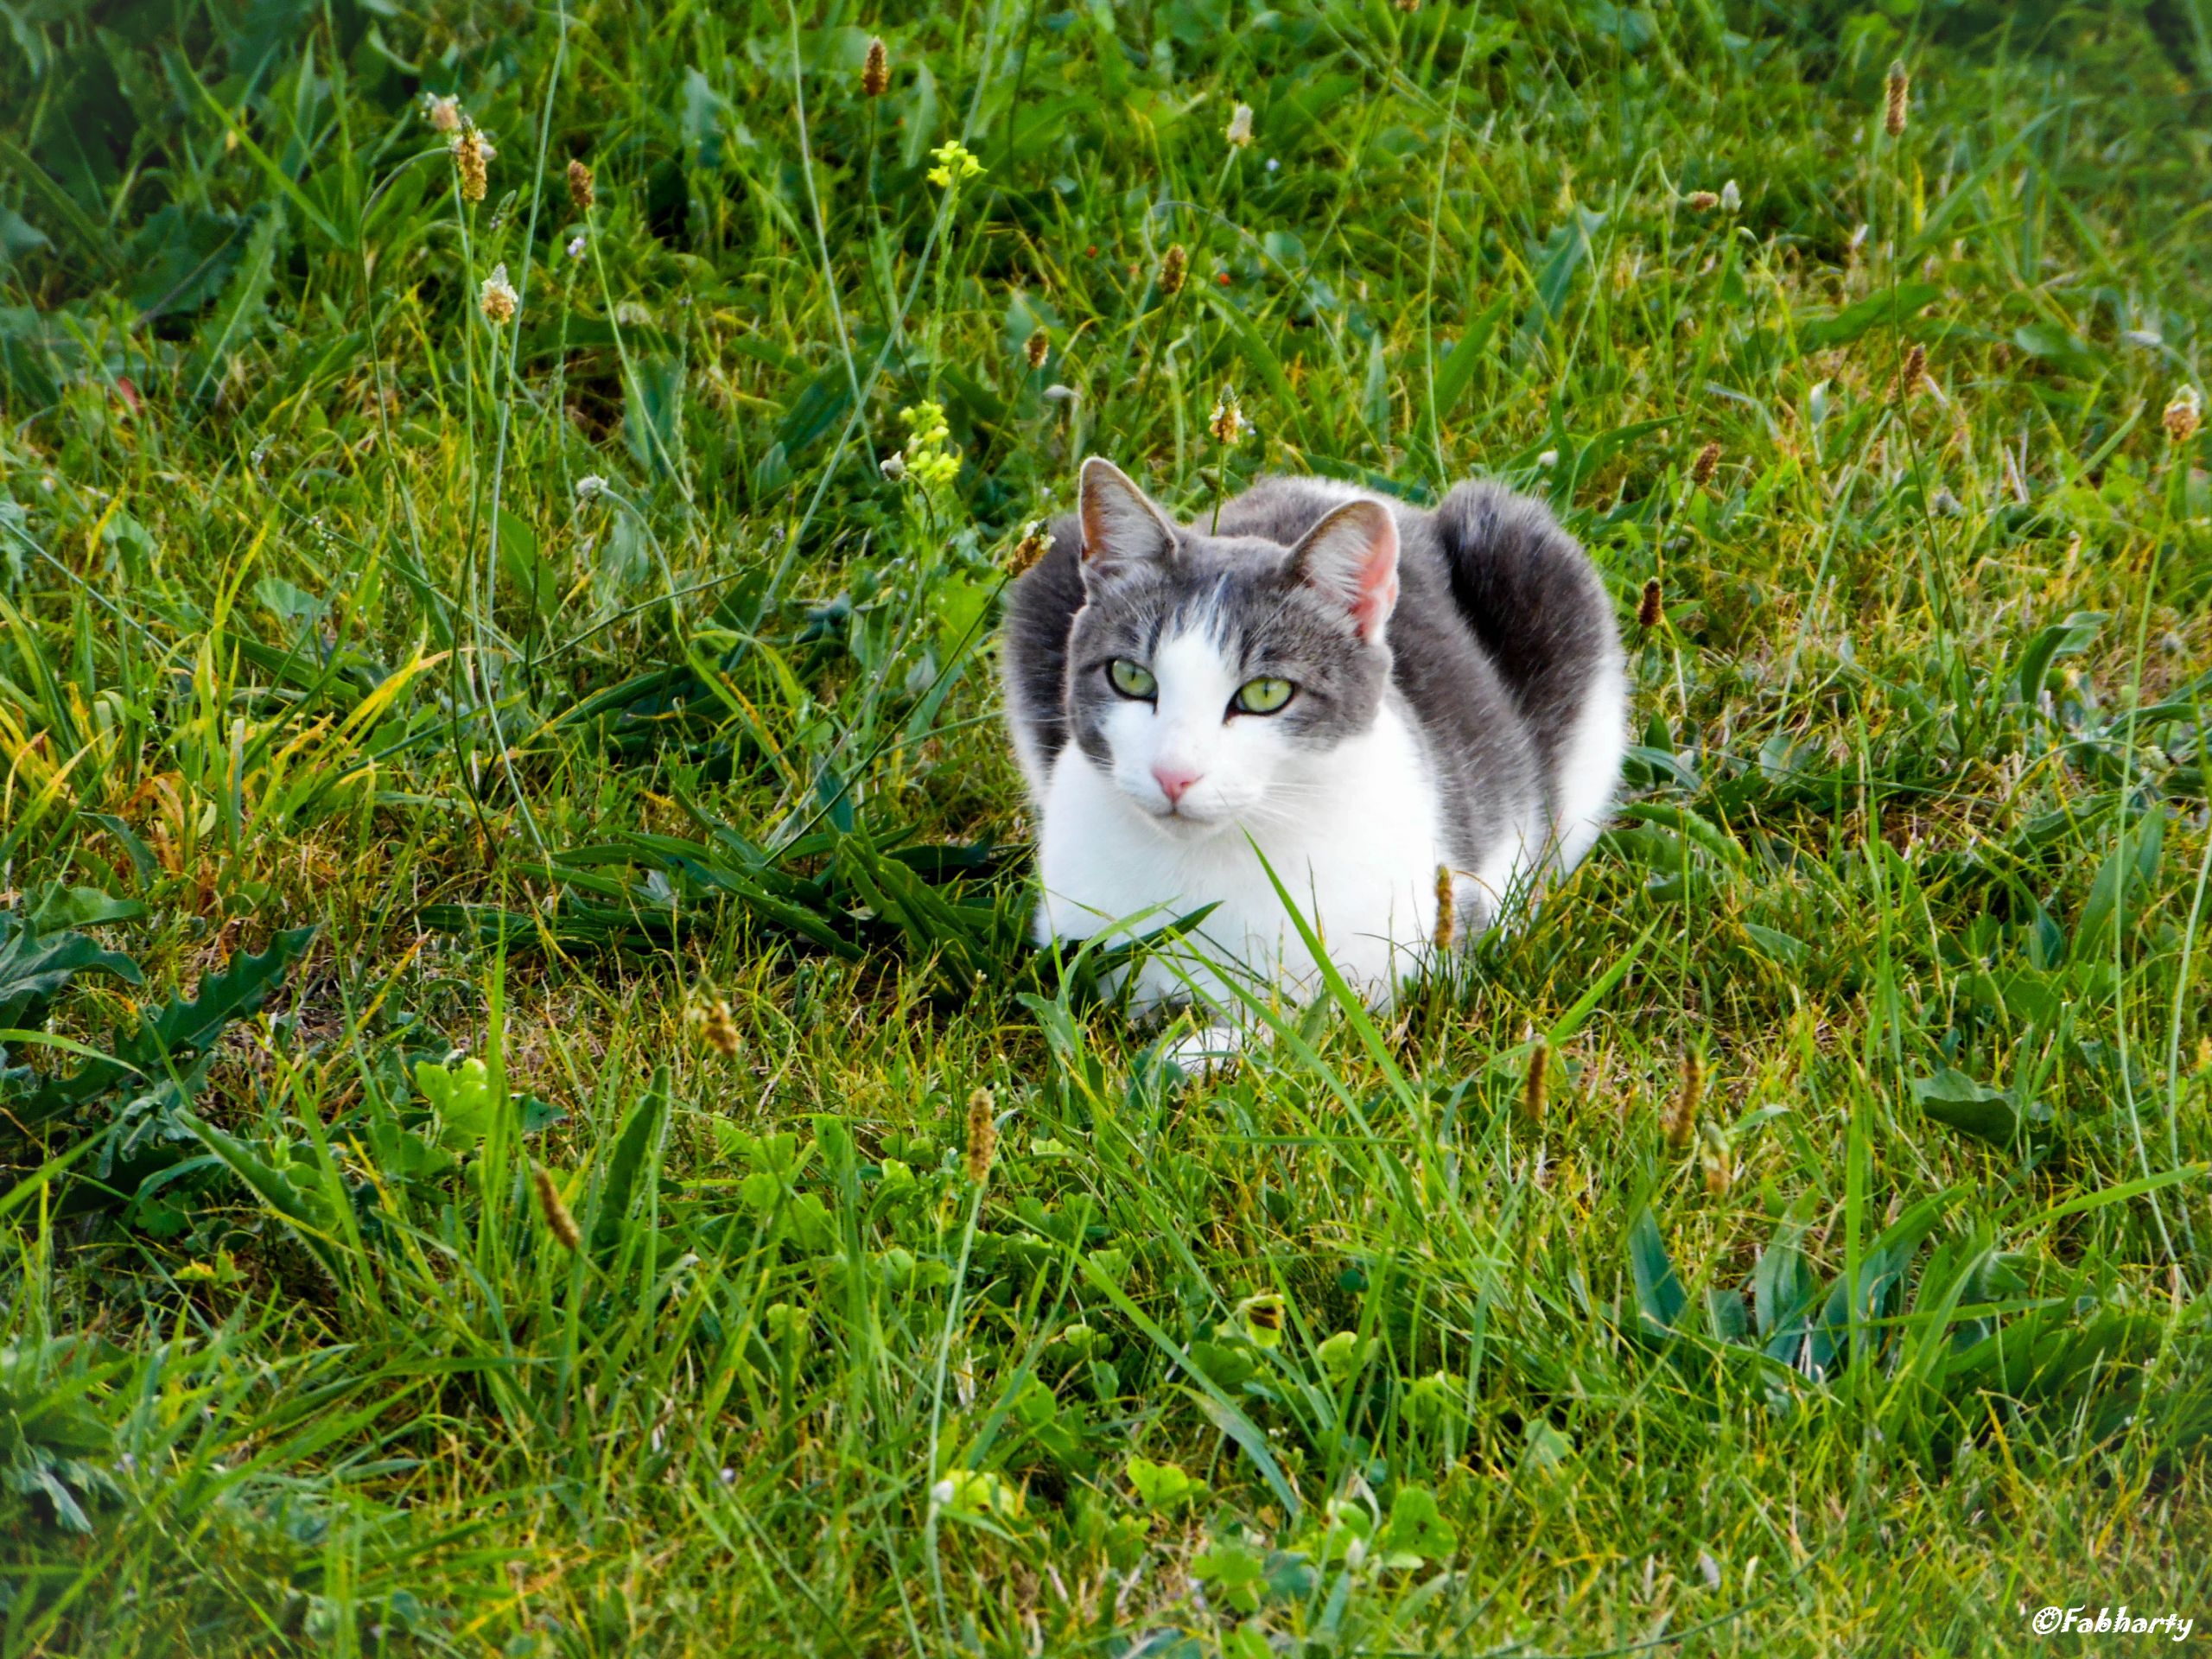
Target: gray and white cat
<point>1358,691</point>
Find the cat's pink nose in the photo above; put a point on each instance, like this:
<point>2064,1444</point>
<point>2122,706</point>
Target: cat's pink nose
<point>1174,781</point>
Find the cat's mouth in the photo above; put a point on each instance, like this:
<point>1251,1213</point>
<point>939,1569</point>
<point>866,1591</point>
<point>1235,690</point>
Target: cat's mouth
<point>1189,818</point>
<point>1183,821</point>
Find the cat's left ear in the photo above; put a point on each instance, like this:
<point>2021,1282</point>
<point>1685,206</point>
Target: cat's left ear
<point>1352,557</point>
<point>1121,526</point>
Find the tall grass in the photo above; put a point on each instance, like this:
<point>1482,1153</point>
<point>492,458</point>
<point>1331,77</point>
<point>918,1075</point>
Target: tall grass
<point>665,1204</point>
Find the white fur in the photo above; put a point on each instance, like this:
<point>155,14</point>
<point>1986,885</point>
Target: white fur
<point>1036,769</point>
<point>1355,835</point>
<point>1589,767</point>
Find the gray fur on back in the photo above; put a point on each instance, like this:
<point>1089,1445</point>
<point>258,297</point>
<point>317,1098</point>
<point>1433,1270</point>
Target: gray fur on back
<point>1501,629</point>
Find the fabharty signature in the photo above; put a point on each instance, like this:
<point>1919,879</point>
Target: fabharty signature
<point>2108,1621</point>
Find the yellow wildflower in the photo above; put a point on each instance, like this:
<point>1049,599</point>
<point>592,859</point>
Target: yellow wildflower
<point>955,162</point>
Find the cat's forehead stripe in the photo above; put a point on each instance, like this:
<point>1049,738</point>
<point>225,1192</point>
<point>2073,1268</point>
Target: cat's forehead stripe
<point>1189,639</point>
<point>1208,612</point>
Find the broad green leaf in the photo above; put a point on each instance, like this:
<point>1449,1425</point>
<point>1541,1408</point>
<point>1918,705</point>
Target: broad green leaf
<point>1985,1113</point>
<point>1416,1533</point>
<point>630,1170</point>
<point>1888,306</point>
<point>1659,1295</point>
<point>35,965</point>
<point>1162,1487</point>
<point>2067,639</point>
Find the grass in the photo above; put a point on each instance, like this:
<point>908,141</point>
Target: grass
<point>664,1206</point>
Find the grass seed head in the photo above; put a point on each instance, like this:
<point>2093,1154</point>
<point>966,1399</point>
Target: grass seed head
<point>1532,1086</point>
<point>719,1026</point>
<point>558,1220</point>
<point>498,297</point>
<point>1040,346</point>
<point>2184,415</point>
<point>1172,271</point>
<point>580,189</point>
<point>1718,1158</point>
<point>1030,548</point>
<point>1683,1123</point>
<point>1651,609</point>
<point>875,73</point>
<point>1707,459</point>
<point>444,113</point>
<point>1900,95</point>
<point>1718,1175</point>
<point>1240,127</point>
<point>472,157</point>
<point>1702,202</point>
<point>1916,364</point>
<point>1444,920</point>
<point>982,1134</point>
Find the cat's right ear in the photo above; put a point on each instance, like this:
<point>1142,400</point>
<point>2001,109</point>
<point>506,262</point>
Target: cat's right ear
<point>1120,524</point>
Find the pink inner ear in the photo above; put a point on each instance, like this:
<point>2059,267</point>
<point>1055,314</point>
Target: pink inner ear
<point>1376,593</point>
<point>1352,555</point>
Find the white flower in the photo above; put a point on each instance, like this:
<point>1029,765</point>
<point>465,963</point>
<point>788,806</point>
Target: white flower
<point>892,466</point>
<point>590,488</point>
<point>729,1476</point>
<point>576,247</point>
<point>1273,163</point>
<point>444,113</point>
<point>1548,460</point>
<point>942,1493</point>
<point>1240,126</point>
<point>1059,394</point>
<point>1227,422</point>
<point>498,298</point>
<point>1731,197</point>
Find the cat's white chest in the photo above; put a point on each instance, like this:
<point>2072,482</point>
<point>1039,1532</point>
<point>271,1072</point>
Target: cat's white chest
<point>1356,844</point>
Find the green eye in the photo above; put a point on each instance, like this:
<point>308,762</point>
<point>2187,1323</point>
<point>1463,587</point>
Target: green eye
<point>1263,696</point>
<point>1130,680</point>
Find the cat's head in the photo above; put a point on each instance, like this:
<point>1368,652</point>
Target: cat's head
<point>1210,676</point>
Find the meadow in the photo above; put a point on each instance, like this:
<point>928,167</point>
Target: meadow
<point>530,1121</point>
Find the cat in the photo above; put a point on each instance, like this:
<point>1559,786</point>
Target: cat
<point>1379,703</point>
